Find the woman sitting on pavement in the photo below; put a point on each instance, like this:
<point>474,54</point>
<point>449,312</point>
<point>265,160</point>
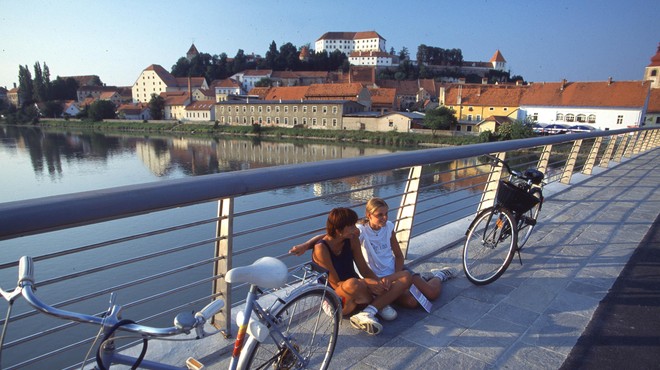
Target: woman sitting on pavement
<point>339,252</point>
<point>382,253</point>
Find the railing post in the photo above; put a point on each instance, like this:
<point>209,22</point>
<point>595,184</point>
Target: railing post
<point>544,159</point>
<point>631,144</point>
<point>655,139</point>
<point>604,162</point>
<point>621,148</point>
<point>640,140</point>
<point>488,196</point>
<point>593,153</point>
<point>570,163</point>
<point>406,213</point>
<point>223,253</point>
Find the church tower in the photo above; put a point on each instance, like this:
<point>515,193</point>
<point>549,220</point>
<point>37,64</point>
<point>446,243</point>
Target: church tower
<point>192,52</point>
<point>498,61</point>
<point>652,71</point>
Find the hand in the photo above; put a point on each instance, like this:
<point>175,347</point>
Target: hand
<point>299,249</point>
<point>376,287</point>
<point>386,283</point>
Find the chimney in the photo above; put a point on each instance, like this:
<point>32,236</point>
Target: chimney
<point>441,97</point>
<point>189,90</point>
<point>563,84</point>
<point>609,81</point>
<point>484,81</point>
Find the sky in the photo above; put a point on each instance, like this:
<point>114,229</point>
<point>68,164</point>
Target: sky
<point>541,40</point>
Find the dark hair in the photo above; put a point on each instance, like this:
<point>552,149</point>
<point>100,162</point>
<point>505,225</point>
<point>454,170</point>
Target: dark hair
<point>338,219</point>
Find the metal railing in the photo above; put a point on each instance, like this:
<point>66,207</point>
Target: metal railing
<point>166,246</point>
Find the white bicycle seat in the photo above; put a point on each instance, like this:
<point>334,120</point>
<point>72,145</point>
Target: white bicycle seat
<point>266,272</point>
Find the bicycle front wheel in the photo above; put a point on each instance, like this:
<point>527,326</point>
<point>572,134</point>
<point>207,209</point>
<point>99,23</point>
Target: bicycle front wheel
<point>490,245</point>
<point>528,221</point>
<point>309,322</point>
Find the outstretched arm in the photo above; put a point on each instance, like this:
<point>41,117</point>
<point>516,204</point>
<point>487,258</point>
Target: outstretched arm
<point>300,249</point>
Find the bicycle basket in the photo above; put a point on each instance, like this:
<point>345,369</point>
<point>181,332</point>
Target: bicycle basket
<point>514,198</point>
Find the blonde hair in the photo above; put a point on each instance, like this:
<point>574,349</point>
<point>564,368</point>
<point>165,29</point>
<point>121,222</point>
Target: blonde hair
<point>372,205</point>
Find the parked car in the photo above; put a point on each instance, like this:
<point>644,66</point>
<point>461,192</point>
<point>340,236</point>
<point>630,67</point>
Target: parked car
<point>538,128</point>
<point>582,128</point>
<point>556,128</point>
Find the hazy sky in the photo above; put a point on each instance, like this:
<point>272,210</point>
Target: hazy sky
<point>542,40</point>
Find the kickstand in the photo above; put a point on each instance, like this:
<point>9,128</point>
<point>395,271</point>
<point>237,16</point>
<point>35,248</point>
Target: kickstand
<point>519,258</point>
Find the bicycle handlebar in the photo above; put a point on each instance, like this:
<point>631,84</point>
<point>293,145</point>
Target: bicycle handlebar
<point>27,289</point>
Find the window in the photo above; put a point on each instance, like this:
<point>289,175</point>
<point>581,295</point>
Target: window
<point>324,122</point>
<point>570,117</point>
<point>260,109</point>
<point>535,117</point>
<point>286,120</point>
<point>228,109</point>
<point>277,109</point>
<point>591,118</point>
<point>334,122</point>
<point>478,117</point>
<point>313,121</point>
<point>314,109</point>
<point>325,109</point>
<point>304,121</point>
<point>244,109</point>
<point>560,117</point>
<point>654,73</point>
<point>295,109</point>
<point>304,109</point>
<point>286,109</point>
<point>469,117</point>
<point>334,110</point>
<point>458,127</point>
<point>268,120</point>
<point>581,118</point>
<point>469,129</point>
<point>277,120</point>
<point>619,119</point>
<point>268,109</point>
<point>251,109</point>
<point>491,109</point>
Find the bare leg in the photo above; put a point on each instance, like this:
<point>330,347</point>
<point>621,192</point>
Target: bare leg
<point>399,286</point>
<point>431,289</point>
<point>354,292</point>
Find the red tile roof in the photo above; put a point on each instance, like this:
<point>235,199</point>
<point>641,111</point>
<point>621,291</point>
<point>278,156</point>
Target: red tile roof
<point>497,57</point>
<point>261,92</point>
<point>630,94</point>
<point>484,95</point>
<point>163,74</point>
<point>286,93</point>
<point>655,60</point>
<point>654,102</point>
<point>203,105</point>
<point>350,35</point>
<point>383,96</point>
<point>175,97</point>
<point>405,87</point>
<point>341,91</point>
<point>257,72</point>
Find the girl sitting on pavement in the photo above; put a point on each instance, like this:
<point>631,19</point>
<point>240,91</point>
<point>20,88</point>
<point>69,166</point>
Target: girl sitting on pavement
<point>339,252</point>
<point>382,253</point>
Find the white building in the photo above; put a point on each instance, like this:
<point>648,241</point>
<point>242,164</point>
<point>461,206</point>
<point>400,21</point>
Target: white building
<point>348,42</point>
<point>606,105</point>
<point>156,80</point>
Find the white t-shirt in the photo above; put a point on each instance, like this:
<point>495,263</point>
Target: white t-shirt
<point>376,248</point>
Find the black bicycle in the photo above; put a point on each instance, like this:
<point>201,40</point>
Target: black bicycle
<point>498,232</point>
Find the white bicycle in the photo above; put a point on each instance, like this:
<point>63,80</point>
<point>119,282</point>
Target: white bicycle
<point>297,331</point>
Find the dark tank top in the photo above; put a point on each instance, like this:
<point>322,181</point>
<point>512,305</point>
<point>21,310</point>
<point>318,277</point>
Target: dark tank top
<point>343,263</point>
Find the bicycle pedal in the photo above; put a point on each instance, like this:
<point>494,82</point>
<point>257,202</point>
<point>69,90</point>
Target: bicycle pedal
<point>193,364</point>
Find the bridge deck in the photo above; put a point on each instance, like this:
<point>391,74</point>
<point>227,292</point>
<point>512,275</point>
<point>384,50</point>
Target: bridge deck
<point>533,316</point>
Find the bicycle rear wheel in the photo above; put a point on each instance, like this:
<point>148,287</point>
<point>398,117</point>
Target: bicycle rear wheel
<point>310,322</point>
<point>489,247</point>
<point>528,221</point>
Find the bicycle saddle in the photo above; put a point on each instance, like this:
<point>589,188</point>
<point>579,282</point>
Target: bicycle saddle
<point>266,272</point>
<point>534,175</point>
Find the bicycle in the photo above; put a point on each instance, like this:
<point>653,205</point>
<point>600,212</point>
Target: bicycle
<point>298,330</point>
<point>500,231</point>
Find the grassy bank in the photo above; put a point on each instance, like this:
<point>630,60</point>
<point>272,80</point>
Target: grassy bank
<point>206,130</point>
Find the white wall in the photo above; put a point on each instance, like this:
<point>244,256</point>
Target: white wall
<point>606,118</point>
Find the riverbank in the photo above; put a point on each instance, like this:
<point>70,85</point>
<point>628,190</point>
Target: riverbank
<point>217,130</point>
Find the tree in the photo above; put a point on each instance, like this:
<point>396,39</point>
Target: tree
<point>515,130</point>
<point>25,86</point>
<point>40,89</point>
<point>101,109</point>
<point>157,106</point>
<point>239,62</point>
<point>53,108</point>
<point>272,56</point>
<point>404,54</point>
<point>440,119</point>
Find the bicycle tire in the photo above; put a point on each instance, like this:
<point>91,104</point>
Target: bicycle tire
<point>489,246</point>
<point>304,321</point>
<point>524,228</point>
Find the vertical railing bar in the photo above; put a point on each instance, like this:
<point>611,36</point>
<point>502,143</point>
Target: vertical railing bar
<point>494,176</point>
<point>406,212</point>
<point>591,159</point>
<point>570,163</point>
<point>224,248</point>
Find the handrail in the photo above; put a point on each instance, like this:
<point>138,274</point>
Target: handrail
<point>28,217</point>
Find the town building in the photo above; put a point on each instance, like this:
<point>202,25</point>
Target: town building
<point>384,121</point>
<point>200,111</point>
<point>249,78</point>
<point>362,48</point>
<point>139,111</point>
<point>472,103</point>
<point>316,114</point>
<point>605,105</point>
<point>156,80</point>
